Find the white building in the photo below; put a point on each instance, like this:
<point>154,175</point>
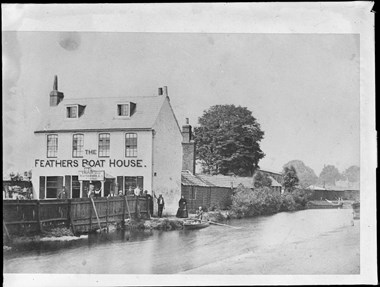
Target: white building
<point>115,143</point>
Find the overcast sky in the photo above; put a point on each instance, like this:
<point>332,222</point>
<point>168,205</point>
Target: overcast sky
<point>302,88</point>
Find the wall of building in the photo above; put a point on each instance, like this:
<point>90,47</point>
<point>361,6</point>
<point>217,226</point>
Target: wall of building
<point>167,158</point>
<point>115,165</point>
<point>207,197</point>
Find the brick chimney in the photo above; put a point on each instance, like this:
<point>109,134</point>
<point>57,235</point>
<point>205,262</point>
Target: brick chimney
<point>55,96</point>
<point>163,91</point>
<point>188,148</point>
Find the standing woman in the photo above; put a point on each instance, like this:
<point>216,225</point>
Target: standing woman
<point>182,208</point>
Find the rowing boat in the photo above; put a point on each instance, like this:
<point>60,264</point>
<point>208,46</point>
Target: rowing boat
<point>323,204</point>
<point>195,224</point>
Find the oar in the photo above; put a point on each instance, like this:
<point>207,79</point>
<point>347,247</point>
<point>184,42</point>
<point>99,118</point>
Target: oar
<point>221,224</point>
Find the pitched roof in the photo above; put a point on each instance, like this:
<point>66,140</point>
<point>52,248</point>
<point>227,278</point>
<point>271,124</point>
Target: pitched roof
<point>315,187</point>
<point>100,113</point>
<point>189,179</point>
<point>274,182</point>
<point>226,181</point>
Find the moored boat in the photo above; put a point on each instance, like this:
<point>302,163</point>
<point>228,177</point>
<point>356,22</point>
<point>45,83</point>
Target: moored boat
<point>195,224</point>
<point>316,204</point>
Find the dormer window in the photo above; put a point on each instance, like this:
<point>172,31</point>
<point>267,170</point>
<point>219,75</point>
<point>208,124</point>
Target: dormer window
<point>123,110</point>
<point>72,112</point>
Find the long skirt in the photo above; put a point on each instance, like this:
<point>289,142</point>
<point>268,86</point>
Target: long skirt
<point>182,213</point>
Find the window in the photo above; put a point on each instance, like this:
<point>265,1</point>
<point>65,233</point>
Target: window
<point>130,183</point>
<point>130,145</point>
<point>72,112</point>
<point>53,185</point>
<point>52,145</point>
<point>104,145</point>
<point>123,110</point>
<point>78,143</point>
<point>75,187</point>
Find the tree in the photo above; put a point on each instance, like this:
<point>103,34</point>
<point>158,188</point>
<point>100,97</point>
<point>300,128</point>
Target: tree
<point>352,174</point>
<point>306,175</point>
<point>262,180</point>
<point>291,180</point>
<point>329,175</point>
<point>228,141</point>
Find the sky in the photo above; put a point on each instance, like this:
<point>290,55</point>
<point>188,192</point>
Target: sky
<point>303,89</point>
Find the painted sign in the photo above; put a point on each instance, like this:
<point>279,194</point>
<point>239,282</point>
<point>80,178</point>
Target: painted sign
<point>89,163</point>
<point>89,174</point>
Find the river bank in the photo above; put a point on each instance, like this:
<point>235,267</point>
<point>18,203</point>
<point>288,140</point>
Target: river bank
<point>333,252</point>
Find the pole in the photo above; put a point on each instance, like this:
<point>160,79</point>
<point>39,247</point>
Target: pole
<point>96,213</point>
<point>221,224</point>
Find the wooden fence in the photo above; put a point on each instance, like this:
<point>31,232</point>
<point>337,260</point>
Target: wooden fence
<point>80,214</point>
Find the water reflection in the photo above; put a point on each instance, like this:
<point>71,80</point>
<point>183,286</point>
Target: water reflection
<point>160,252</point>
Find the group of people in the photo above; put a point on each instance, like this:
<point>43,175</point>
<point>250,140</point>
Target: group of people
<point>16,192</point>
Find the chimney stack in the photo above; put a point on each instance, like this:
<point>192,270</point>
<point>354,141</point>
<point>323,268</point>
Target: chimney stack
<point>55,96</point>
<point>165,90</point>
<point>188,148</point>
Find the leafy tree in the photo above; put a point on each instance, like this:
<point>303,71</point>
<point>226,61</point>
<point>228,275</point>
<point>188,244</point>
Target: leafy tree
<point>291,180</point>
<point>228,141</point>
<point>352,174</point>
<point>306,175</point>
<point>329,175</point>
<point>262,180</point>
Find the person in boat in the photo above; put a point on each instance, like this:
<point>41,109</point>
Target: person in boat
<point>200,213</point>
<point>182,208</point>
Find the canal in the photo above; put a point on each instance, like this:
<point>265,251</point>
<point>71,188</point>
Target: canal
<point>259,241</point>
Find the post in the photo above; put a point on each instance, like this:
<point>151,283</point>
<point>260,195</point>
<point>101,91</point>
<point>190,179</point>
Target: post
<point>107,215</point>
<point>6,231</point>
<point>68,212</point>
<point>90,216</point>
<point>129,212</point>
<point>39,216</point>
<point>123,217</point>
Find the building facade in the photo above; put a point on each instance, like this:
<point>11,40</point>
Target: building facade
<point>114,143</point>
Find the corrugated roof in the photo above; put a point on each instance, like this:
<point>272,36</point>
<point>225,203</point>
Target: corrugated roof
<point>101,113</point>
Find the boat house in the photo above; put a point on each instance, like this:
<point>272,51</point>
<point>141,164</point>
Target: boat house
<point>114,143</point>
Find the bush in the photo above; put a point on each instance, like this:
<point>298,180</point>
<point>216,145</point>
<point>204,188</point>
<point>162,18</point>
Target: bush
<point>247,202</point>
<point>262,201</point>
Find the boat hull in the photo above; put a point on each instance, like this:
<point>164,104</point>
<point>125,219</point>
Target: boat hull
<point>323,205</point>
<point>191,225</point>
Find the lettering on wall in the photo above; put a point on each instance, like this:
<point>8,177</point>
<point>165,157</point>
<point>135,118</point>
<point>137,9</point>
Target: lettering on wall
<point>88,163</point>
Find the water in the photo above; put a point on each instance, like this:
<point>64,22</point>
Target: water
<point>160,252</point>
